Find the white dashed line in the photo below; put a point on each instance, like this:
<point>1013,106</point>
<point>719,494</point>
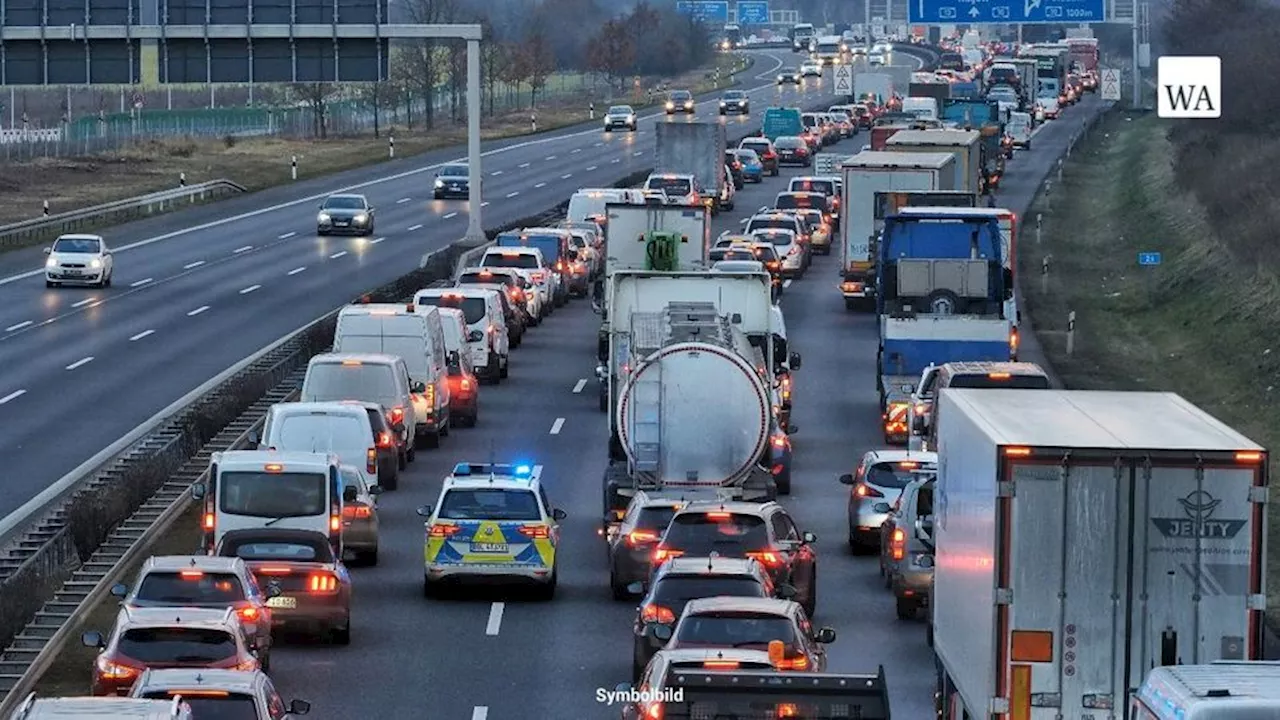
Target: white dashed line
<point>637,153</point>
<point>141,335</point>
<point>19,326</point>
<point>296,270</point>
<point>557,426</point>
<point>597,144</point>
<point>250,289</point>
<point>616,160</point>
<point>484,204</point>
<point>525,165</point>
<point>141,282</point>
<point>402,201</point>
<point>195,264</point>
<point>286,236</point>
<point>413,228</point>
<point>239,250</point>
<point>197,311</point>
<point>495,619</point>
<point>12,396</point>
<point>80,363</point>
<point>550,157</point>
<point>375,241</point>
<point>84,302</point>
<point>578,387</point>
<point>480,713</point>
<point>786,283</point>
<point>512,194</point>
<point>450,215</point>
<point>496,172</point>
<point>542,184</point>
<point>566,176</point>
<point>337,255</point>
<point>575,150</point>
<point>593,167</point>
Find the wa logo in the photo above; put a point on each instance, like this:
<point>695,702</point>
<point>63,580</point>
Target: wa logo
<point>1189,87</point>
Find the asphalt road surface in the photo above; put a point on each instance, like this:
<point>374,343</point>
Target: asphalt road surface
<point>495,656</point>
<point>197,291</point>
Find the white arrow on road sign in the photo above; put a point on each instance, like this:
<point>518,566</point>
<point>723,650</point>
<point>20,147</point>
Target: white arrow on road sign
<point>844,80</point>
<point>1110,91</point>
<point>973,11</point>
<point>1028,6</point>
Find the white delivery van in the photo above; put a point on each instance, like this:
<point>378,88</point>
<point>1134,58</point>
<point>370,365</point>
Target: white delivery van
<point>588,203</point>
<point>527,259</point>
<point>1224,690</point>
<point>1019,128</point>
<point>250,489</point>
<point>339,428</point>
<point>381,379</point>
<point>487,340</point>
<point>922,107</point>
<point>416,336</point>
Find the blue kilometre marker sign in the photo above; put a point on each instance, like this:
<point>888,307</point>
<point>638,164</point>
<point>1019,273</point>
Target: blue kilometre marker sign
<point>1005,11</point>
<point>1149,258</point>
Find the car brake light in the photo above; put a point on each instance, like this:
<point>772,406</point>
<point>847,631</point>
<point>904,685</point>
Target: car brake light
<point>248,614</point>
<point>636,538</point>
<point>721,664</point>
<point>108,670</point>
<point>397,415</point>
<point>781,442</point>
<point>719,516</point>
<point>653,710</point>
<point>768,558</point>
<point>248,665</point>
<point>1248,456</point>
<point>864,490</point>
<point>443,531</point>
<point>897,542</point>
<point>662,555</point>
<point>657,614</point>
<point>335,524</point>
<point>538,532</point>
<point>385,440</point>
<point>191,574</point>
<point>787,710</point>
<point>908,464</point>
<point>274,571</point>
<point>465,384</point>
<point>322,583</point>
<point>357,512</point>
<point>560,265</point>
<point>371,460</point>
<point>797,663</point>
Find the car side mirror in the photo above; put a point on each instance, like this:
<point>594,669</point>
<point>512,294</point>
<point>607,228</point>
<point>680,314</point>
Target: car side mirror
<point>786,592</point>
<point>557,514</point>
<point>418,387</point>
<point>636,588</point>
<point>808,538</point>
<point>662,632</point>
<point>375,490</point>
<point>119,590</point>
<point>299,707</point>
<point>273,590</point>
<point>424,511</point>
<point>93,639</point>
<point>348,494</point>
<point>845,479</point>
<point>475,336</point>
<point>795,361</point>
<point>253,439</point>
<point>825,635</point>
<point>198,491</point>
<point>48,251</point>
<point>793,429</point>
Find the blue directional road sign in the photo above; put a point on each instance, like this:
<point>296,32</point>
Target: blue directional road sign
<point>985,12</point>
<point>1149,258</point>
<point>708,11</point>
<point>752,12</point>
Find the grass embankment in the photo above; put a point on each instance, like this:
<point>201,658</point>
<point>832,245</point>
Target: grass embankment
<point>1199,324</point>
<point>71,183</point>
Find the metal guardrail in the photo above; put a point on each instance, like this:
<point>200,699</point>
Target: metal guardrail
<point>22,233</point>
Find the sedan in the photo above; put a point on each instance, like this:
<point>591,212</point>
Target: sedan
<point>680,101</point>
<point>79,260</point>
<point>874,488</point>
<point>620,116</point>
<point>793,151</point>
<point>360,517</point>
<point>453,181</point>
<point>789,77</point>
<point>752,166</point>
<point>351,214</point>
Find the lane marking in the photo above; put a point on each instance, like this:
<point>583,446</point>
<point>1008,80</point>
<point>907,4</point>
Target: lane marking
<point>495,619</point>
<point>80,363</point>
<point>296,270</point>
<point>541,184</point>
<point>191,265</point>
<point>597,144</point>
<point>197,311</point>
<point>451,215</point>
<point>578,387</point>
<point>766,87</point>
<point>286,236</point>
<point>141,335</point>
<point>637,153</point>
<point>480,713</point>
<point>512,194</point>
<point>83,302</point>
<point>375,241</point>
<point>557,426</point>
<point>337,255</point>
<point>239,250</point>
<point>250,289</point>
<point>484,204</point>
<point>402,201</point>
<point>525,165</point>
<point>575,150</point>
<point>19,326</point>
<point>12,396</point>
<point>616,160</point>
<point>566,176</point>
<point>550,157</point>
<point>496,172</point>
<point>786,283</point>
<point>141,282</point>
<point>413,228</point>
<point>593,167</point>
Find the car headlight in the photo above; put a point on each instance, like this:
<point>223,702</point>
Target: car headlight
<point>779,78</point>
<point>670,105</point>
<point>688,105</point>
<point>360,219</point>
<point>439,183</point>
<point>51,262</point>
<point>721,103</point>
<point>631,118</point>
<point>323,218</point>
<point>95,263</point>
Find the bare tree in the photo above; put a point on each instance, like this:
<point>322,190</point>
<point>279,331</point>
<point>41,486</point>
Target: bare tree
<point>612,52</point>
<point>516,70</point>
<point>493,61</point>
<point>539,63</point>
<point>428,58</point>
<point>316,96</point>
<point>376,96</point>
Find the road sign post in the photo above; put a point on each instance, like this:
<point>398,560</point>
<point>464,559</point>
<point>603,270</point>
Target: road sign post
<point>1110,85</point>
<point>753,12</point>
<point>844,80</point>
<point>985,12</point>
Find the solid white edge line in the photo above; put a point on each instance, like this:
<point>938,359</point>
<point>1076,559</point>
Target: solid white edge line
<point>19,326</point>
<point>250,289</point>
<point>557,426</point>
<point>141,335</point>
<point>12,396</point>
<point>80,363</point>
<point>412,228</point>
<point>197,311</point>
<point>337,255</point>
<point>778,62</point>
<point>577,388</point>
<point>495,619</point>
<point>297,270</point>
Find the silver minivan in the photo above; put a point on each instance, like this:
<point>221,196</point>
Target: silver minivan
<point>381,379</point>
<point>328,427</point>
<point>488,342</point>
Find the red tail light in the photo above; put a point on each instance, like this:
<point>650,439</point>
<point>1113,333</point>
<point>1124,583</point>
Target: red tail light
<point>385,440</point>
<point>897,543</point>
<point>248,614</point>
<point>636,538</point>
<point>443,531</point>
<point>335,524</point>
<point>661,555</point>
<point>537,532</point>
<point>781,442</point>
<point>397,415</point>
<point>768,558</point>
<point>357,512</point>
<point>248,665</point>
<point>800,663</point>
<point>653,710</point>
<point>657,614</point>
<point>322,583</point>
<point>465,384</point>
<point>371,460</point>
<point>864,490</point>
<point>560,265</point>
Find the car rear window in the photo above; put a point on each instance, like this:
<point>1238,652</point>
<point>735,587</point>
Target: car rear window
<point>794,201</point>
<point>490,504</point>
<point>160,645</point>
<point>190,587</point>
<point>748,630</point>
<point>655,517</point>
<point>205,706</point>
<point>789,143</point>
<point>826,187</point>
<point>676,185</point>
<point>701,533</point>
<point>782,222</point>
<point>996,380</point>
<point>757,145</point>
<point>674,592</point>
<point>332,381</point>
<point>473,308</point>
<point>777,239</point>
<point>345,435</point>
<point>281,551</point>
<point>523,261</point>
<point>895,475</point>
<point>272,495</point>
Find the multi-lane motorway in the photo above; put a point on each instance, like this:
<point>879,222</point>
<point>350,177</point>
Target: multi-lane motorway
<point>491,657</point>
<point>196,291</point>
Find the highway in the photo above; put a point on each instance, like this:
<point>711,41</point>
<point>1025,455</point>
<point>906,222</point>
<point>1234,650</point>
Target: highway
<point>196,291</point>
<point>495,656</point>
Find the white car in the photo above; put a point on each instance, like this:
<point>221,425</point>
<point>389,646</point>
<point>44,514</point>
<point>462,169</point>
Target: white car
<point>878,57</point>
<point>79,260</point>
<point>532,298</point>
<point>1047,108</point>
<point>810,68</point>
<point>545,279</point>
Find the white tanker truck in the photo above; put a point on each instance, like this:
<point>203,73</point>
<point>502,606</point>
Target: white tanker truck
<point>691,404</point>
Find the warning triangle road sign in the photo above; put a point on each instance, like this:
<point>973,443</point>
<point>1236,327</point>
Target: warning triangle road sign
<point>1110,82</point>
<point>844,80</point>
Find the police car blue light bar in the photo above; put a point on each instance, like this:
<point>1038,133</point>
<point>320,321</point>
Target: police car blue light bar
<point>521,470</point>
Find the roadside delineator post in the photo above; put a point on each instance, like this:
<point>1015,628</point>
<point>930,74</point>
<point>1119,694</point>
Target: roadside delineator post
<point>1039,226</point>
<point>45,209</point>
<point>592,110</point>
<point>1044,276</point>
<point>293,167</point>
<point>391,146</point>
<point>533,122</point>
<point>1071,332</point>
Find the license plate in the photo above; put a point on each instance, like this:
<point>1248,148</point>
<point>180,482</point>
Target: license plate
<point>72,273</point>
<point>489,548</point>
<point>455,187</point>
<point>283,602</point>
<point>341,223</point>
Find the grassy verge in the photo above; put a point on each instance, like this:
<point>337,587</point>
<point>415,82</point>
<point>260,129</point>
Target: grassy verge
<point>1195,324</point>
<point>262,162</point>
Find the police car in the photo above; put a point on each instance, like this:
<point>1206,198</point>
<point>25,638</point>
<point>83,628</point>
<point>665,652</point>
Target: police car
<point>492,523</point>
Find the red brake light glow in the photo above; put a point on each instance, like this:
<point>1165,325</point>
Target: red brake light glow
<point>636,538</point>
<point>657,614</point>
<point>443,531</point>
<point>191,574</point>
<point>248,614</point>
<point>357,512</point>
<point>385,440</point>
<point>322,583</point>
<point>768,558</point>
<point>335,523</point>
<point>208,521</point>
<point>397,415</point>
<point>662,555</point>
<point>538,532</point>
<point>719,516</point>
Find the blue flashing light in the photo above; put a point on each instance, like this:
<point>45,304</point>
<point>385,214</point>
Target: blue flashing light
<point>523,470</point>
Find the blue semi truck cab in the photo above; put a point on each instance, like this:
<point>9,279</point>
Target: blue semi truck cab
<point>943,287</point>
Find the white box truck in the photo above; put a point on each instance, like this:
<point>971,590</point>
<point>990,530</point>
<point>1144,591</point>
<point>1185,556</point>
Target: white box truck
<point>966,145</point>
<point>865,174</point>
<point>1081,539</point>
